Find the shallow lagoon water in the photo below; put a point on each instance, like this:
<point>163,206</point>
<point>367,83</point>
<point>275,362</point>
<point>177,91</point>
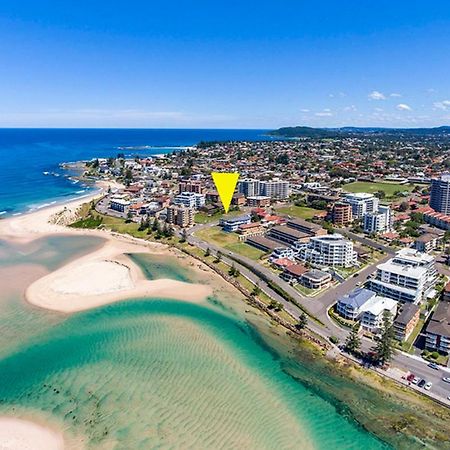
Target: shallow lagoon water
<point>158,373</point>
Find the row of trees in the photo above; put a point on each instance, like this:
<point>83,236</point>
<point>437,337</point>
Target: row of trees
<point>155,227</point>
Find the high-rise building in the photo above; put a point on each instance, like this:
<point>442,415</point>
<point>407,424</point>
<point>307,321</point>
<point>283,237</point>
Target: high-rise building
<point>249,187</point>
<point>408,277</point>
<point>329,250</point>
<point>440,194</point>
<point>362,203</point>
<point>379,221</point>
<point>276,189</point>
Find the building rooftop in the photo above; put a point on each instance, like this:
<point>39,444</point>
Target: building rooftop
<point>401,269</point>
<point>357,297</point>
<point>440,321</point>
<point>359,196</point>
<point>316,275</point>
<point>289,231</point>
<point>377,304</point>
<point>265,242</point>
<point>409,310</point>
<point>296,269</point>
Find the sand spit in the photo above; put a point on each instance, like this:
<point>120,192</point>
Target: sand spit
<point>104,276</point>
<point>18,434</point>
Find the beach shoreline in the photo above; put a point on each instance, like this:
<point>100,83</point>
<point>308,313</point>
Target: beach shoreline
<point>20,434</point>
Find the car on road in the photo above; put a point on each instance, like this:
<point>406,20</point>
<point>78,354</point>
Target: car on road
<point>427,386</point>
<point>415,380</point>
<point>410,377</point>
<point>422,383</point>
<point>446,379</point>
<point>356,275</point>
<point>433,366</point>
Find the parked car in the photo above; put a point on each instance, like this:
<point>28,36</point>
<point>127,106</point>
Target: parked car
<point>433,366</point>
<point>415,380</point>
<point>422,383</point>
<point>410,377</point>
<point>427,387</point>
<point>446,379</point>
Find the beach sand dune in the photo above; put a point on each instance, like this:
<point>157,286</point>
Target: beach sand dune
<point>18,434</point>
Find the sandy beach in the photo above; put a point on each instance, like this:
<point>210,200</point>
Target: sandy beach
<point>104,276</point>
<point>18,434</point>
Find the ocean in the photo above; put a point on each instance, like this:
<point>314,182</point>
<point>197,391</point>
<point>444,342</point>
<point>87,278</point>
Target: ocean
<point>31,178</point>
<point>156,373</point>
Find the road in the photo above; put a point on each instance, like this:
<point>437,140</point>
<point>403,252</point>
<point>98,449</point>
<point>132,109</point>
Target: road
<point>319,305</point>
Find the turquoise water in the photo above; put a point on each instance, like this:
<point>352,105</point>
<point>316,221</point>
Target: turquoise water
<point>157,373</point>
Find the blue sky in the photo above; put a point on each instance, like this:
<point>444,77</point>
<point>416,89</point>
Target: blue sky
<point>224,64</point>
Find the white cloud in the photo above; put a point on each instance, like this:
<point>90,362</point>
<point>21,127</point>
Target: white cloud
<point>351,108</point>
<point>404,107</point>
<point>395,94</point>
<point>379,109</point>
<point>323,114</point>
<point>444,105</point>
<point>304,110</point>
<point>376,95</point>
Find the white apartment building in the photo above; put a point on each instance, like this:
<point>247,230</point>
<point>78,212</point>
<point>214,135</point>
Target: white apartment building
<point>329,250</point>
<point>362,203</point>
<point>275,188</point>
<point>190,200</point>
<point>380,221</point>
<point>373,312</point>
<point>408,277</point>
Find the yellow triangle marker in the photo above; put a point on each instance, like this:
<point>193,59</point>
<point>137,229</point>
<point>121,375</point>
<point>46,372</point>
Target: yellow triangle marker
<point>225,184</point>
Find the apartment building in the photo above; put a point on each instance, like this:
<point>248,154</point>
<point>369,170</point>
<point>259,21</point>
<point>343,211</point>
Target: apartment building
<point>438,329</point>
<point>287,235</point>
<point>406,321</point>
<point>350,305</point>
<point>341,214</point>
<point>274,189</point>
<point>309,228</point>
<point>329,250</point>
<point>180,215</point>
<point>427,242</point>
<point>440,194</point>
<point>408,277</point>
<point>362,203</point>
<point>231,224</point>
<point>374,310</point>
<point>190,200</point>
<point>191,186</point>
<point>379,221</point>
<point>258,201</point>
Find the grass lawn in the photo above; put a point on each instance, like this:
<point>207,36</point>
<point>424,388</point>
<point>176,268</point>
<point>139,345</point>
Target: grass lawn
<point>229,241</point>
<point>388,188</point>
<point>203,218</point>
<point>407,346</point>
<point>302,212</point>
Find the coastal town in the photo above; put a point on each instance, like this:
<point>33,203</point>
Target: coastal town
<point>347,236</point>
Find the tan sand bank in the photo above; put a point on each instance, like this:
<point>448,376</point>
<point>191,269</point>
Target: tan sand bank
<point>18,434</point>
<point>105,276</point>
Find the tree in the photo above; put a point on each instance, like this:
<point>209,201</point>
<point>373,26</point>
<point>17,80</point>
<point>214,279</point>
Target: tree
<point>207,252</point>
<point>384,349</point>
<point>256,290</point>
<point>302,321</point>
<point>218,257</point>
<point>232,270</point>
<point>129,217</point>
<point>183,236</point>
<point>353,341</point>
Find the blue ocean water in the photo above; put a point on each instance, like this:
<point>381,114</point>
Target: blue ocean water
<point>30,176</point>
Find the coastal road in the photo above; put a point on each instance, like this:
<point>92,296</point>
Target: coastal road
<point>319,305</point>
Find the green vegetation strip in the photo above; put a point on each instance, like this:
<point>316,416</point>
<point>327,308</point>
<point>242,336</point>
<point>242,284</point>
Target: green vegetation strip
<point>276,288</point>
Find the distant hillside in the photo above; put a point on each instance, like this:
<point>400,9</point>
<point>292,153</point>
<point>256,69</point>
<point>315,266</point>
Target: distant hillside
<point>310,132</point>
